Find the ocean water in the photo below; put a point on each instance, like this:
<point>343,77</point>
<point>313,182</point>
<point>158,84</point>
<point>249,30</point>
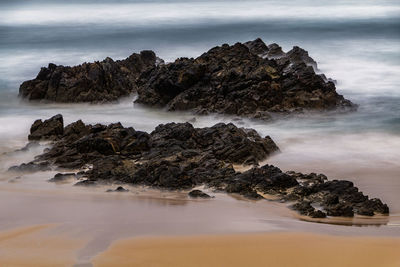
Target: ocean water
<point>357,43</point>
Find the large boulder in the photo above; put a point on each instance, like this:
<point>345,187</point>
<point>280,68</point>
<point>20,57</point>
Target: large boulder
<point>102,81</point>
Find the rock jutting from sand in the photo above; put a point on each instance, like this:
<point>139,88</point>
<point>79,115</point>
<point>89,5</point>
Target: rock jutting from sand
<point>198,194</point>
<point>250,79</point>
<point>177,156</point>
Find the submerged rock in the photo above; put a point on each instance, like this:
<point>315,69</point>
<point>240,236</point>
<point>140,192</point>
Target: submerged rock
<point>305,208</point>
<point>177,156</point>
<point>118,189</point>
<point>31,167</point>
<point>62,177</point>
<point>102,81</point>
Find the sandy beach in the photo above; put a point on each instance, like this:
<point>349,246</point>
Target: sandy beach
<point>278,249</point>
<point>39,246</point>
<point>82,227</point>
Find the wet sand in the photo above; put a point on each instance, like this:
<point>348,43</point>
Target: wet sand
<point>279,249</point>
<point>38,246</point>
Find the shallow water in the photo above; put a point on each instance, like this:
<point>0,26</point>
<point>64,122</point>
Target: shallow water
<point>356,43</point>
<point>101,218</point>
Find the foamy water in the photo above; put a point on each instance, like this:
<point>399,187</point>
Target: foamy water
<point>356,43</point>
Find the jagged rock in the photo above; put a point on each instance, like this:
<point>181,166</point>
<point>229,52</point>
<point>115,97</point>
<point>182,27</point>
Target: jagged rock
<point>340,209</point>
<point>275,51</point>
<point>31,167</point>
<point>250,79</point>
<point>336,197</point>
<point>237,80</point>
<point>177,156</point>
<point>305,208</point>
<point>257,47</point>
<point>61,177</point>
<point>118,189</point>
<point>198,194</point>
<point>102,81</point>
<point>50,129</point>
<point>86,182</point>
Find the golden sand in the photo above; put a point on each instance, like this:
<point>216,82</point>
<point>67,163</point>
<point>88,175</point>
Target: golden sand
<point>36,246</point>
<point>277,249</point>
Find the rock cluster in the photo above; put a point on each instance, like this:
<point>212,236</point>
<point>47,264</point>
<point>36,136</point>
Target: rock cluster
<point>178,156</point>
<point>317,197</point>
<point>103,81</point>
<point>250,79</point>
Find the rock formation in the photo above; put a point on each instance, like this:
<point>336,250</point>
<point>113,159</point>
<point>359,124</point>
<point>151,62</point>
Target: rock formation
<point>250,79</point>
<point>103,81</point>
<point>177,156</point>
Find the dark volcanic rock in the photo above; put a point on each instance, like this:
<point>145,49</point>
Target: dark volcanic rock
<point>86,182</point>
<point>305,208</point>
<point>198,194</point>
<point>61,177</point>
<point>118,189</point>
<point>275,51</point>
<point>178,156</point>
<point>250,79</point>
<point>257,47</point>
<point>102,81</point>
<point>49,129</point>
<point>241,80</point>
<point>336,197</point>
<point>31,167</point>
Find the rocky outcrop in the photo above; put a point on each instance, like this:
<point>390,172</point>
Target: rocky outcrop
<point>334,198</point>
<point>250,79</point>
<point>50,129</point>
<point>177,156</point>
<point>103,81</point>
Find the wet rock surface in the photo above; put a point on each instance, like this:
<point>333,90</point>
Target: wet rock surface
<point>198,194</point>
<point>49,129</point>
<point>102,81</point>
<point>177,156</point>
<point>251,79</point>
<point>62,177</point>
<point>118,189</point>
